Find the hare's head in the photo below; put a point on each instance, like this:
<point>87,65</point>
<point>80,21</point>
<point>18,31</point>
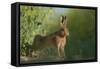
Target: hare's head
<point>63,21</point>
<point>63,24</point>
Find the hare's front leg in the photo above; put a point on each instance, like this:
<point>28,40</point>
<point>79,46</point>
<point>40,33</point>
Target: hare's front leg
<point>63,52</point>
<point>63,43</point>
<point>59,52</point>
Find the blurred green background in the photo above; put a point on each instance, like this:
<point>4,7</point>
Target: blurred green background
<point>36,20</point>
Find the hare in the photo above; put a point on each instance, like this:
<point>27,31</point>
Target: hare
<point>57,39</point>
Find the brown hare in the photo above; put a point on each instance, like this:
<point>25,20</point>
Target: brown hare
<point>58,39</point>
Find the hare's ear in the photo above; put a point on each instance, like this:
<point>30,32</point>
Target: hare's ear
<point>61,18</point>
<point>66,19</point>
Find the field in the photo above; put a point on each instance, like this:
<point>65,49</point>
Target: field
<point>80,44</point>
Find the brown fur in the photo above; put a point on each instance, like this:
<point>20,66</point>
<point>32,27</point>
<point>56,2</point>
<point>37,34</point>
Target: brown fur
<point>58,38</point>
